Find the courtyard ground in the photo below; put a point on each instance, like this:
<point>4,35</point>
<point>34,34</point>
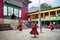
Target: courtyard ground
<point>47,34</point>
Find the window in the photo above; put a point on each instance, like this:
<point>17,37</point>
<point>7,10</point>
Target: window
<point>5,10</point>
<point>16,12</point>
<point>36,15</point>
<point>10,11</point>
<point>19,13</point>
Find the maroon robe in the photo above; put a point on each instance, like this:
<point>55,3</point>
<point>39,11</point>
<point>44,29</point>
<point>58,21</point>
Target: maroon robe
<point>51,27</point>
<point>34,29</point>
<point>20,27</point>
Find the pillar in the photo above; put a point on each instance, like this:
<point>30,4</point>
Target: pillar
<point>56,13</point>
<point>39,22</point>
<point>49,14</point>
<point>1,8</point>
<point>24,13</point>
<point>43,15</point>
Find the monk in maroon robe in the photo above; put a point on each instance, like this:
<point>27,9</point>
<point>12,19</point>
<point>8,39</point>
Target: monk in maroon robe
<point>20,25</point>
<point>34,29</point>
<point>51,26</point>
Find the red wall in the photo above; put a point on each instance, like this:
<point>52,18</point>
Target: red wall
<point>24,13</point>
<point>1,8</point>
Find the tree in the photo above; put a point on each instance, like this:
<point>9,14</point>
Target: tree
<point>45,6</point>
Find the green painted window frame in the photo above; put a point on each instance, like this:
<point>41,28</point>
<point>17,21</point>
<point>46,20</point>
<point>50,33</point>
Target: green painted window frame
<point>14,7</point>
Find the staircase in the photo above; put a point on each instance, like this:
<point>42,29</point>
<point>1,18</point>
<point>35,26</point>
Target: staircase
<point>5,27</point>
<point>24,25</point>
<point>9,24</point>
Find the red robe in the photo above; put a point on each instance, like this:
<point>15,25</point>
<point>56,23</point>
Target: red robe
<point>34,29</point>
<point>51,27</point>
<point>20,27</point>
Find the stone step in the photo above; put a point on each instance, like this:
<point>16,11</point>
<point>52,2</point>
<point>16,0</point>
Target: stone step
<point>5,27</point>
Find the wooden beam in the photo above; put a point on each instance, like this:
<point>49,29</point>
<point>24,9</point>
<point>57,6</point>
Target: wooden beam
<point>23,0</point>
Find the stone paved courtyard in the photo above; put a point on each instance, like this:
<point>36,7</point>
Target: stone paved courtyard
<point>47,34</point>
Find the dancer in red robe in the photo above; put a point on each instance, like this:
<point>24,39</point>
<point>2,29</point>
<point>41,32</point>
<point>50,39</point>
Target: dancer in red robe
<point>20,25</point>
<point>34,29</point>
<point>51,26</point>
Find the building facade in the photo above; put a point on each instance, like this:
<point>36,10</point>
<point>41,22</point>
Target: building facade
<point>47,16</point>
<point>17,7</point>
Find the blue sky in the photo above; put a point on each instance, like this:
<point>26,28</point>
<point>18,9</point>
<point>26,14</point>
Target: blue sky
<point>35,3</point>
